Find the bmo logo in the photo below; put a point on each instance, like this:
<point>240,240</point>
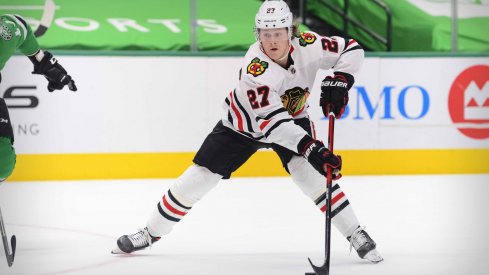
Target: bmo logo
<point>468,102</point>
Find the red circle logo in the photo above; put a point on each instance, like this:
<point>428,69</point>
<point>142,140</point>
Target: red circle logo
<point>468,102</point>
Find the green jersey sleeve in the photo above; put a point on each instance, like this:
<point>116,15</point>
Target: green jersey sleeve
<point>15,34</point>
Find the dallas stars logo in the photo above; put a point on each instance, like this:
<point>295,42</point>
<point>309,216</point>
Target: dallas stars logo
<point>5,32</point>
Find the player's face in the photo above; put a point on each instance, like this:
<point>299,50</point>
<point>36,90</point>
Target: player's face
<point>275,42</point>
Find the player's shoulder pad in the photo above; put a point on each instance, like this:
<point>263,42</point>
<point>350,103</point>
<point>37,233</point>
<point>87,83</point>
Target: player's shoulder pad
<point>256,63</point>
<point>11,23</point>
<point>258,68</point>
<point>16,19</point>
<point>21,19</point>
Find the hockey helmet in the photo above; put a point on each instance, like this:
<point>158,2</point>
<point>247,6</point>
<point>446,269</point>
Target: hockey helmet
<point>273,14</point>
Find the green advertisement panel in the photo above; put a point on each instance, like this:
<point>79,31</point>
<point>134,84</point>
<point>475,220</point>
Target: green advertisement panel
<point>162,25</point>
<point>417,25</point>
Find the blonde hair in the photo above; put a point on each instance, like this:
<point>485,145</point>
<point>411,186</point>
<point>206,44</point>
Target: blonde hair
<point>295,29</point>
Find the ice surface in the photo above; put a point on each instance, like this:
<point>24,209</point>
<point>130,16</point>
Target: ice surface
<point>422,225</point>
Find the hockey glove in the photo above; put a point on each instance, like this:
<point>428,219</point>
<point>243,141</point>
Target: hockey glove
<point>334,93</point>
<point>5,124</point>
<point>319,156</point>
<point>54,73</point>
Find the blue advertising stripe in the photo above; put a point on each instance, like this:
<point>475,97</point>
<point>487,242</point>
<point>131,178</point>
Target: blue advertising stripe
<point>263,164</point>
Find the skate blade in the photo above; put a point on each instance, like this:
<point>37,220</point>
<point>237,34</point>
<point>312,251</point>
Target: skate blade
<point>373,256</point>
<point>117,251</point>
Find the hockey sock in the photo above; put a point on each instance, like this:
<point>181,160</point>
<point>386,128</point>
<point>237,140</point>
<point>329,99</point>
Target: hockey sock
<point>313,185</point>
<point>168,212</point>
<point>342,213</point>
<point>188,189</point>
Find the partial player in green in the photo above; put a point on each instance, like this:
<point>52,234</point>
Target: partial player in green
<point>16,34</point>
<point>7,152</point>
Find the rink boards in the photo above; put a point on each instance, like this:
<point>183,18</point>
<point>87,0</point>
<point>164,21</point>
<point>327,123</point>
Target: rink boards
<point>145,117</point>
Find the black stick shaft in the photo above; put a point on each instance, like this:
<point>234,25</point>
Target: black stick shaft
<point>324,269</point>
<point>329,183</point>
<point>8,254</point>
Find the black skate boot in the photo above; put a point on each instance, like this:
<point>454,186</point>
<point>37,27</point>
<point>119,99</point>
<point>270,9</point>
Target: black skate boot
<point>134,242</point>
<point>364,245</point>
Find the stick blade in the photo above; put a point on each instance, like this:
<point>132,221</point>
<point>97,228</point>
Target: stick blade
<point>47,18</point>
<point>13,245</point>
<point>321,270</point>
<point>41,30</point>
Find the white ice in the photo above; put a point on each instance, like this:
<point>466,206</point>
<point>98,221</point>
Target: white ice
<point>422,224</point>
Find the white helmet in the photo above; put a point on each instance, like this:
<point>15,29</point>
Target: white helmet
<point>273,14</point>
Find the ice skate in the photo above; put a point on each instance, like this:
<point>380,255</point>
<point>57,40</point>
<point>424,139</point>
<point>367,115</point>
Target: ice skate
<point>134,242</point>
<point>364,245</point>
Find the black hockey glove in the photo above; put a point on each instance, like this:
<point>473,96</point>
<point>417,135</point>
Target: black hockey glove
<point>5,124</point>
<point>54,73</point>
<point>334,93</point>
<point>319,156</point>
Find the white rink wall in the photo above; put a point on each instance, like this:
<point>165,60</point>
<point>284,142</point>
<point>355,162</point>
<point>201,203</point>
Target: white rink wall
<point>166,105</point>
<point>159,104</point>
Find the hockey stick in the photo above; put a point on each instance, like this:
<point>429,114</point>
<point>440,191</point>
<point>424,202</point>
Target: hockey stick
<point>10,255</point>
<point>47,18</point>
<point>324,269</point>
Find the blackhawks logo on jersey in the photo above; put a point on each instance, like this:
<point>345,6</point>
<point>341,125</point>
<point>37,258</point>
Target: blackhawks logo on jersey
<point>5,32</point>
<point>294,100</point>
<point>306,38</point>
<point>257,67</point>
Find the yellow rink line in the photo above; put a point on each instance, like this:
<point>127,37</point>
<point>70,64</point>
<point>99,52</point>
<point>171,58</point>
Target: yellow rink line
<point>262,164</point>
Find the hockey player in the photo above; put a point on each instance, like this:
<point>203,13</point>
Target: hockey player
<point>268,109</point>
<point>17,34</point>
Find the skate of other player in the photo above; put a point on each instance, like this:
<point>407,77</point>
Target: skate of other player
<point>268,109</point>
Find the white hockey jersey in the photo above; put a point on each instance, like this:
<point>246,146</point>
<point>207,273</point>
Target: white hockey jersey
<point>269,97</point>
